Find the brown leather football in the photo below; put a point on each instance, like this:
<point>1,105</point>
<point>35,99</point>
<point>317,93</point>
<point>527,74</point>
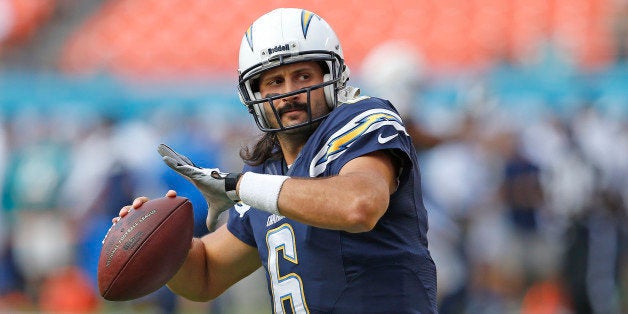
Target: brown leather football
<point>143,250</point>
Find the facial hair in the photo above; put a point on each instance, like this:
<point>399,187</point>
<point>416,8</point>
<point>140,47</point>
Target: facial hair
<point>292,106</point>
<point>304,130</point>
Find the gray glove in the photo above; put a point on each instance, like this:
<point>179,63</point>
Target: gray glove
<point>218,188</point>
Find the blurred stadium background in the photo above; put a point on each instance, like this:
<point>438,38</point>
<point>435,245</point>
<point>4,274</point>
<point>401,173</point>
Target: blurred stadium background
<point>526,183</point>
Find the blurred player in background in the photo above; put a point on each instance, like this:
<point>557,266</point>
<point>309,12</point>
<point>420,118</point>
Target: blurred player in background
<point>330,199</point>
<point>395,71</point>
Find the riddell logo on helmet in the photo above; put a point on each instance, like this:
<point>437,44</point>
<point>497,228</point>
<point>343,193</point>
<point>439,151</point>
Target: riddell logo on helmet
<point>279,48</point>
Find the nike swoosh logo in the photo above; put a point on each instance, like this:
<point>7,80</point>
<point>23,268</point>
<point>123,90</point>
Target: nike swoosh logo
<point>383,140</point>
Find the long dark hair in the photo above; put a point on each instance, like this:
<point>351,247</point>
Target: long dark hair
<point>267,147</point>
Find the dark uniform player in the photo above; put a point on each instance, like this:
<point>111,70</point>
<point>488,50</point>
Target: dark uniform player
<point>335,271</point>
<point>330,200</point>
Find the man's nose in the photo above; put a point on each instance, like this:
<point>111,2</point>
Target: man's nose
<point>290,87</point>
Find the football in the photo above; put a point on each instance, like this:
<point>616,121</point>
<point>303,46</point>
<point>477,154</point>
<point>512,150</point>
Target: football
<point>145,248</point>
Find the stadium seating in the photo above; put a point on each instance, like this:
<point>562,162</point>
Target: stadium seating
<point>163,37</point>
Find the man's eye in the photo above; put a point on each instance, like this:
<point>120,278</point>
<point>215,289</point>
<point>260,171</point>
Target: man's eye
<point>273,82</point>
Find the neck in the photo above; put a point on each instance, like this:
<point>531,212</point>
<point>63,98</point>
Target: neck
<point>292,141</point>
<point>291,145</point>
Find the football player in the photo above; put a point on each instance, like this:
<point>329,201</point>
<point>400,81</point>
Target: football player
<point>330,200</point>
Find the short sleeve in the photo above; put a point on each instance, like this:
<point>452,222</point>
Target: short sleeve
<point>365,132</point>
<point>240,226</point>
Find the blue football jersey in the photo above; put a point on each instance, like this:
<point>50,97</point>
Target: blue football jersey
<point>314,270</point>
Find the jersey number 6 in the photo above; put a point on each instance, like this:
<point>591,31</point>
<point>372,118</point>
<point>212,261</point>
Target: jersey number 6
<point>287,289</point>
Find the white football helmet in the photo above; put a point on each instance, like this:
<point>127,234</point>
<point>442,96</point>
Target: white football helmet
<point>285,36</point>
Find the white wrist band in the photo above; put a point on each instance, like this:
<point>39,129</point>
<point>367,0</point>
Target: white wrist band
<point>261,191</point>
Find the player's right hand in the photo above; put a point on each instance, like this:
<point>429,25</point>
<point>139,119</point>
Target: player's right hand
<point>136,204</point>
<point>217,187</point>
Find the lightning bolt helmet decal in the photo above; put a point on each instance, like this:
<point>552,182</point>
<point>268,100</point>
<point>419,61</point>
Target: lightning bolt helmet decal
<point>249,36</point>
<point>306,18</point>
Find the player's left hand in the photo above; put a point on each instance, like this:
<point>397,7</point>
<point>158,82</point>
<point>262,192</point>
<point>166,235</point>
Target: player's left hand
<point>218,188</point>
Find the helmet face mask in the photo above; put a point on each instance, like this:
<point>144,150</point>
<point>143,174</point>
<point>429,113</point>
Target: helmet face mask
<point>282,37</point>
<point>251,97</point>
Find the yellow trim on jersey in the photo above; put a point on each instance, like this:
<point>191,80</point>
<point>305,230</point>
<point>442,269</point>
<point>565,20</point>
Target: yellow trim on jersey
<point>351,135</point>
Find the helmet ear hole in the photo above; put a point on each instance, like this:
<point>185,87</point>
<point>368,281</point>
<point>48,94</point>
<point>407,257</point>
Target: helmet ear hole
<point>328,90</point>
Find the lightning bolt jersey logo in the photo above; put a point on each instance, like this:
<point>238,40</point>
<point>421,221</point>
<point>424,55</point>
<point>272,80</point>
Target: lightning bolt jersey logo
<point>342,139</point>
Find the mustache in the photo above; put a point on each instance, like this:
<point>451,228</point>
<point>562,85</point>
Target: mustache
<point>292,106</point>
